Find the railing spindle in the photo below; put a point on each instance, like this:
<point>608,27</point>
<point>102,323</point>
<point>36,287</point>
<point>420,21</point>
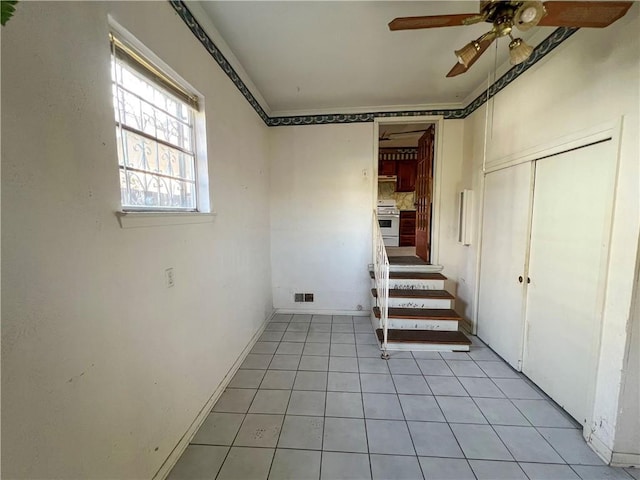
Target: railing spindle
<point>381,274</point>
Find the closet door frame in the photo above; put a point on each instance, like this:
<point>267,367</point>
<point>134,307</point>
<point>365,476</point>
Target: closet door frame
<point>607,130</point>
<point>599,284</point>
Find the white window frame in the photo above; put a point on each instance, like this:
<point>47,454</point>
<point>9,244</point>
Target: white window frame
<point>152,216</point>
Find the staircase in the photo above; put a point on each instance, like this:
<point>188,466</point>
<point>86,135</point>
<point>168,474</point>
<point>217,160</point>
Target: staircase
<point>421,315</point>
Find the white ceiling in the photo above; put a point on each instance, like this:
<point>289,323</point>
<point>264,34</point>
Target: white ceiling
<point>308,57</point>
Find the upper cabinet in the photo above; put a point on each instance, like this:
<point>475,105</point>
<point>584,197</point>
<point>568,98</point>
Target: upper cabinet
<point>387,167</point>
<point>407,171</point>
<point>401,162</point>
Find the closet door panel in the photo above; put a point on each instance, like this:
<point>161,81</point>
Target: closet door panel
<point>506,219</point>
<point>569,243</point>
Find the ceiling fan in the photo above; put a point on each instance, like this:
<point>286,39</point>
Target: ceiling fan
<point>389,136</point>
<point>504,15</point>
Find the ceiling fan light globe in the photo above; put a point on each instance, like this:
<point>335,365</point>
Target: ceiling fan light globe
<point>467,53</point>
<point>519,51</point>
<point>529,15</point>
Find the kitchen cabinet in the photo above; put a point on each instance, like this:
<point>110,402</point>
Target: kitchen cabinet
<point>387,167</point>
<point>407,228</point>
<point>543,272</point>
<point>407,171</point>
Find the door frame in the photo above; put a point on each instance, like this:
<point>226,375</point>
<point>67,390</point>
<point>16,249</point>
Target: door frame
<point>438,122</point>
<point>602,272</point>
<point>602,384</point>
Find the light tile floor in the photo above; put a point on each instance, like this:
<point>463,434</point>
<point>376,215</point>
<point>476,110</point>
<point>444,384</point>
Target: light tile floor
<point>314,400</point>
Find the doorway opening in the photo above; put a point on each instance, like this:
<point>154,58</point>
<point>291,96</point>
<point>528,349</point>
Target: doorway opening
<point>406,153</point>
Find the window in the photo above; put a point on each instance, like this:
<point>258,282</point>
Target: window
<point>155,120</point>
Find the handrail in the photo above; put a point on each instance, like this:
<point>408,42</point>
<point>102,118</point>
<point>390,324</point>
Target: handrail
<point>381,274</point>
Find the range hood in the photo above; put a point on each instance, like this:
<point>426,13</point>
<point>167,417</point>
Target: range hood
<point>387,178</point>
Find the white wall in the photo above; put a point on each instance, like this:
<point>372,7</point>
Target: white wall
<point>103,367</point>
<point>321,207</point>
<point>450,253</point>
<point>472,178</point>
<point>627,442</point>
<point>321,216</point>
<point>592,78</point>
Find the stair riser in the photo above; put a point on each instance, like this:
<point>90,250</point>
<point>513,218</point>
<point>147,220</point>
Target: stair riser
<point>420,303</point>
<point>409,324</point>
<point>415,268</point>
<point>402,284</point>
<point>425,347</point>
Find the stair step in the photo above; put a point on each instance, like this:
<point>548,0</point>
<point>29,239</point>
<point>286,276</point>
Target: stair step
<point>425,336</point>
<point>416,293</point>
<point>407,260</point>
<point>412,275</point>
<point>421,313</point>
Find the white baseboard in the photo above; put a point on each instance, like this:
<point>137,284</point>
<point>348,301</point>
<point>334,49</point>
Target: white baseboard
<point>625,460</point>
<point>183,443</point>
<point>354,313</point>
<point>598,446</point>
<point>467,326</point>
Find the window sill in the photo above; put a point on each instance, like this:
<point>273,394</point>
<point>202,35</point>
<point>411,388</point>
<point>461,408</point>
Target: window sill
<point>161,219</point>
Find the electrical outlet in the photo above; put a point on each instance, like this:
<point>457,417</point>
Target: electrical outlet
<point>169,277</point>
<point>308,297</point>
<point>298,297</point>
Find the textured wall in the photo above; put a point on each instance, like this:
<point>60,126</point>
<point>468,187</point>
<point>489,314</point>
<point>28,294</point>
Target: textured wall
<point>103,367</point>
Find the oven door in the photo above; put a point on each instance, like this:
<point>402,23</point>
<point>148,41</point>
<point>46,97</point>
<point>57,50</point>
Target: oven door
<point>391,241</point>
<point>389,225</point>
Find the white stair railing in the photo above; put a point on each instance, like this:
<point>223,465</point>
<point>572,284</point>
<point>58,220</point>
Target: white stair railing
<point>381,274</point>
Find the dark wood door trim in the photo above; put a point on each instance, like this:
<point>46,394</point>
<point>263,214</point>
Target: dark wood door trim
<point>424,194</point>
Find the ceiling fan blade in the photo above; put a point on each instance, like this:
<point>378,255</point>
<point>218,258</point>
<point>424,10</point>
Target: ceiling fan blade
<point>400,135</point>
<point>459,68</point>
<point>434,21</point>
<point>583,14</point>
<point>389,137</point>
<point>408,132</point>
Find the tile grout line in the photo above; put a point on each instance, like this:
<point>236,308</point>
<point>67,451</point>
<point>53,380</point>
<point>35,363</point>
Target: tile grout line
<point>483,416</point>
<point>276,444</point>
<point>364,414</point>
<point>536,427</point>
<point>466,459</point>
<point>357,358</point>
<point>404,416</point>
<point>492,425</point>
<point>324,416</point>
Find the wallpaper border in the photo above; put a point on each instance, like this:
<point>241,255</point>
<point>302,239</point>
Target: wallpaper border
<point>545,47</point>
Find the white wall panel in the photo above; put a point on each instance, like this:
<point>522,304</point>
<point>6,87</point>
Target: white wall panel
<point>103,367</point>
<point>321,210</point>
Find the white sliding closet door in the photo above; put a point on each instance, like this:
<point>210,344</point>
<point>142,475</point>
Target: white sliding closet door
<point>505,228</point>
<point>570,230</point>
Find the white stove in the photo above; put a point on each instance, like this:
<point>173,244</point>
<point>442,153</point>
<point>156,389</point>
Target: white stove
<point>389,221</point>
<point>388,207</point>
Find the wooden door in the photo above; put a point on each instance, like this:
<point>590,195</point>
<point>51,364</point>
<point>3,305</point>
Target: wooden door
<point>505,239</point>
<point>568,261</point>
<point>407,170</point>
<point>424,195</point>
